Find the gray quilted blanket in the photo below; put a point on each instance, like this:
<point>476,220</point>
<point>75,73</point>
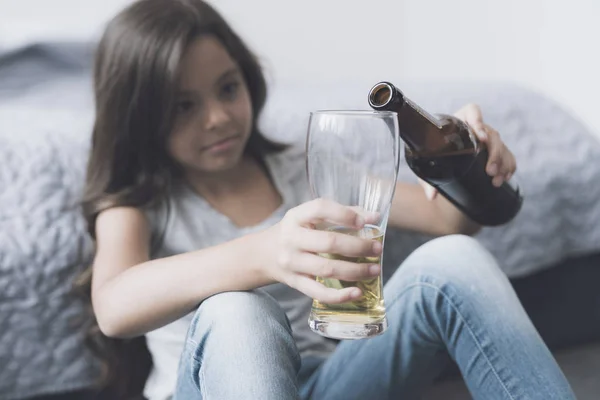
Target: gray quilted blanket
<point>45,119</point>
<point>44,125</point>
<point>42,246</point>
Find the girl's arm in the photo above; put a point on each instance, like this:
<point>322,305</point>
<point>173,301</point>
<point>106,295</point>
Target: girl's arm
<point>132,295</point>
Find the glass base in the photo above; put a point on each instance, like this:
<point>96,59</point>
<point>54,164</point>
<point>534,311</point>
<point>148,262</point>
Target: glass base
<point>347,329</point>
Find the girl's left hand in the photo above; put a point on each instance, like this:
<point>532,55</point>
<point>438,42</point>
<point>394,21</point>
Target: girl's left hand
<point>501,163</point>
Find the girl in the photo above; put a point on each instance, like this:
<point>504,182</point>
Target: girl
<point>204,240</point>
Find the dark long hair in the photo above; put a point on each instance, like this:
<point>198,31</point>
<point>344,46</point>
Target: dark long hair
<point>135,74</point>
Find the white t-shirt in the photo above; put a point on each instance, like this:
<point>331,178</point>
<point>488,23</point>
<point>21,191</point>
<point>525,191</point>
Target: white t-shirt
<point>186,222</point>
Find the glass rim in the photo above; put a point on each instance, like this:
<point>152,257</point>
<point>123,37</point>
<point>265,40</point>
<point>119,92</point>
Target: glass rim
<point>355,113</point>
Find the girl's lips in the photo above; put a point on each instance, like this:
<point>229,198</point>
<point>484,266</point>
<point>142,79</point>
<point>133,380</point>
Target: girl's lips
<point>222,145</point>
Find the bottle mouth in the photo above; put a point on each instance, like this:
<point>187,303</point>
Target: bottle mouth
<point>380,95</point>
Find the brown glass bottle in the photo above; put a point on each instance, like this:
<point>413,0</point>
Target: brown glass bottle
<point>443,151</point>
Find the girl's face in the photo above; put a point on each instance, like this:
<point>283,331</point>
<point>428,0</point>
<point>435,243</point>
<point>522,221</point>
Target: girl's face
<point>214,110</point>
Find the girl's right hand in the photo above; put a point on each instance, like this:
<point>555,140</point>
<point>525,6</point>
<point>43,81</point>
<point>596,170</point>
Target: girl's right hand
<point>293,245</point>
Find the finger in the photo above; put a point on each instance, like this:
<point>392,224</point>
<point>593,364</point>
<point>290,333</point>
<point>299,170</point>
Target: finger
<point>471,114</point>
<point>510,164</point>
<point>315,241</point>
<point>507,165</point>
<point>496,150</point>
<point>482,134</point>
<point>512,170</point>
<point>370,217</point>
<point>498,180</point>
<point>326,210</point>
<point>317,291</point>
<point>328,267</point>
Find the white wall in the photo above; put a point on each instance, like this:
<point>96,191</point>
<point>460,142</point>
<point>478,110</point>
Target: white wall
<point>551,45</point>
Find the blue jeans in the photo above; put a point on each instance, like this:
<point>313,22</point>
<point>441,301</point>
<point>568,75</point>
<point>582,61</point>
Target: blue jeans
<point>448,300</point>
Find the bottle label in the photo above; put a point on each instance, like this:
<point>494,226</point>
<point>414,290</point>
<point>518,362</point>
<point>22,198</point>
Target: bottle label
<point>423,113</point>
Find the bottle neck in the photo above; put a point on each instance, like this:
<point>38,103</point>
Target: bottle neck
<point>421,132</point>
<point>419,129</point>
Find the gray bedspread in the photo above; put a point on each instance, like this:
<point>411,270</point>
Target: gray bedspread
<point>44,129</point>
<point>45,121</point>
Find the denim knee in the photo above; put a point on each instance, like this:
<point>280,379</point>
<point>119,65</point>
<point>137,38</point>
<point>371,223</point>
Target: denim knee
<point>457,260</point>
<point>242,313</point>
<point>233,339</point>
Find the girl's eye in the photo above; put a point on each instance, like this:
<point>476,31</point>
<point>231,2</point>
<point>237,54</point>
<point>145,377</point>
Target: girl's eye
<point>230,90</point>
<point>184,106</point>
